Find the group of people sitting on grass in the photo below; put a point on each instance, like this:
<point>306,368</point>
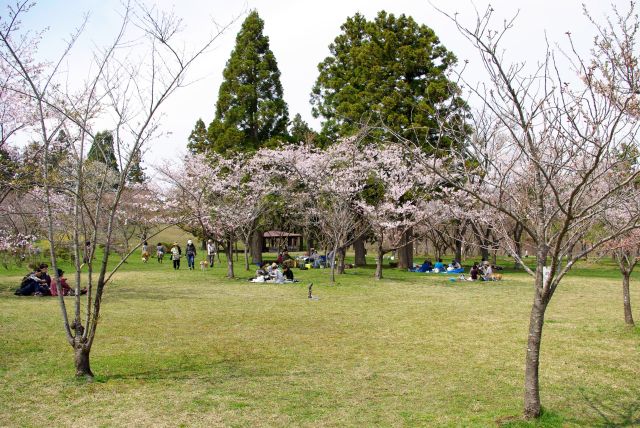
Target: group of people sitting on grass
<point>438,266</point>
<point>483,271</point>
<point>314,260</point>
<point>275,273</point>
<point>38,283</point>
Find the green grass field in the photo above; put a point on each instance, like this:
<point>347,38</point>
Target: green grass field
<point>187,348</point>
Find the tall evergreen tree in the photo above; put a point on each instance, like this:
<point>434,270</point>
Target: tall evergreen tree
<point>136,173</point>
<point>198,142</point>
<point>250,112</point>
<point>390,70</point>
<point>102,150</point>
<point>299,130</point>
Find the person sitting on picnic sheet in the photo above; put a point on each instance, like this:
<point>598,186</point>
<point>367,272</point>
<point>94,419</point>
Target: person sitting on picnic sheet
<point>454,265</point>
<point>271,270</point>
<point>474,272</point>
<point>262,272</point>
<point>424,267</point>
<point>438,266</point>
<point>288,273</point>
<point>277,275</point>
<point>487,271</point>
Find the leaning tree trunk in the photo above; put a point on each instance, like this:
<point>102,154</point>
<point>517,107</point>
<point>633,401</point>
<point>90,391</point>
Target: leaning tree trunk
<point>532,408</point>
<point>83,366</point>
<point>360,252</point>
<point>379,260</point>
<point>517,239</point>
<point>626,298</point>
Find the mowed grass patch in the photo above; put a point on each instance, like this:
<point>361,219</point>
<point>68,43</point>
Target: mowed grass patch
<point>194,349</point>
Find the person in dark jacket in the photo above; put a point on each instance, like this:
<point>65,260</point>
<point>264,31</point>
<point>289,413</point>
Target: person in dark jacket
<point>287,272</point>
<point>191,253</point>
<point>474,272</point>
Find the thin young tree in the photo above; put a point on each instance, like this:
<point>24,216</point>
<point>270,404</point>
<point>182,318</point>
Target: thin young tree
<point>128,83</point>
<point>550,152</point>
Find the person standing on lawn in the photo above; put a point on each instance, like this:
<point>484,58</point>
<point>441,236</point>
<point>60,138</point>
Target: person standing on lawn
<point>190,251</point>
<point>211,252</point>
<point>176,253</point>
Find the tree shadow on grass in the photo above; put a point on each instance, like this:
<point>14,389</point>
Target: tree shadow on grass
<point>117,294</point>
<point>175,371</point>
<point>615,414</point>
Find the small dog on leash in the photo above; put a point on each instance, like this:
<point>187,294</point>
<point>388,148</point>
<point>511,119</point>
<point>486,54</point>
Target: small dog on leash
<point>145,257</point>
<point>204,265</point>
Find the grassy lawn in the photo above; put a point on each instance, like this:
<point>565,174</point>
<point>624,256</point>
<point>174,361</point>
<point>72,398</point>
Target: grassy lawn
<point>187,348</point>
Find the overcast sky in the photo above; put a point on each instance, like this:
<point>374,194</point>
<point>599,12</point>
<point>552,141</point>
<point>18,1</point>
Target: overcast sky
<point>299,33</point>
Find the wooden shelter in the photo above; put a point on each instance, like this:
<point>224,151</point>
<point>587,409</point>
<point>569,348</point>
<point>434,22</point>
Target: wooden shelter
<point>276,240</point>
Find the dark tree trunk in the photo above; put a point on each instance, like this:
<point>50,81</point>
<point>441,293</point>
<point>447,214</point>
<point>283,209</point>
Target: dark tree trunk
<point>229,249</point>
<point>256,247</point>
<point>532,362</point>
<point>405,252</point>
<point>342,252</point>
<point>483,240</point>
<point>83,367</point>
<point>309,245</point>
<point>517,239</point>
<point>379,260</point>
<point>360,252</point>
<point>626,298</point>
<point>458,250</point>
<point>484,253</point>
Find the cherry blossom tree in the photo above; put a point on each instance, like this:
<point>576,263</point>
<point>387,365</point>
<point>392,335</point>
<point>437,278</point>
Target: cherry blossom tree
<point>220,198</point>
<point>323,186</point>
<point>141,215</point>
<point>397,197</point>
<point>549,152</point>
<point>126,85</point>
<point>626,251</point>
<point>240,192</point>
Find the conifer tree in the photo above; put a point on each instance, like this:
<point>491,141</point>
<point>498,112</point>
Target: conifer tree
<point>198,142</point>
<point>136,172</point>
<point>250,112</point>
<point>299,130</point>
<point>102,150</point>
<point>390,70</point>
